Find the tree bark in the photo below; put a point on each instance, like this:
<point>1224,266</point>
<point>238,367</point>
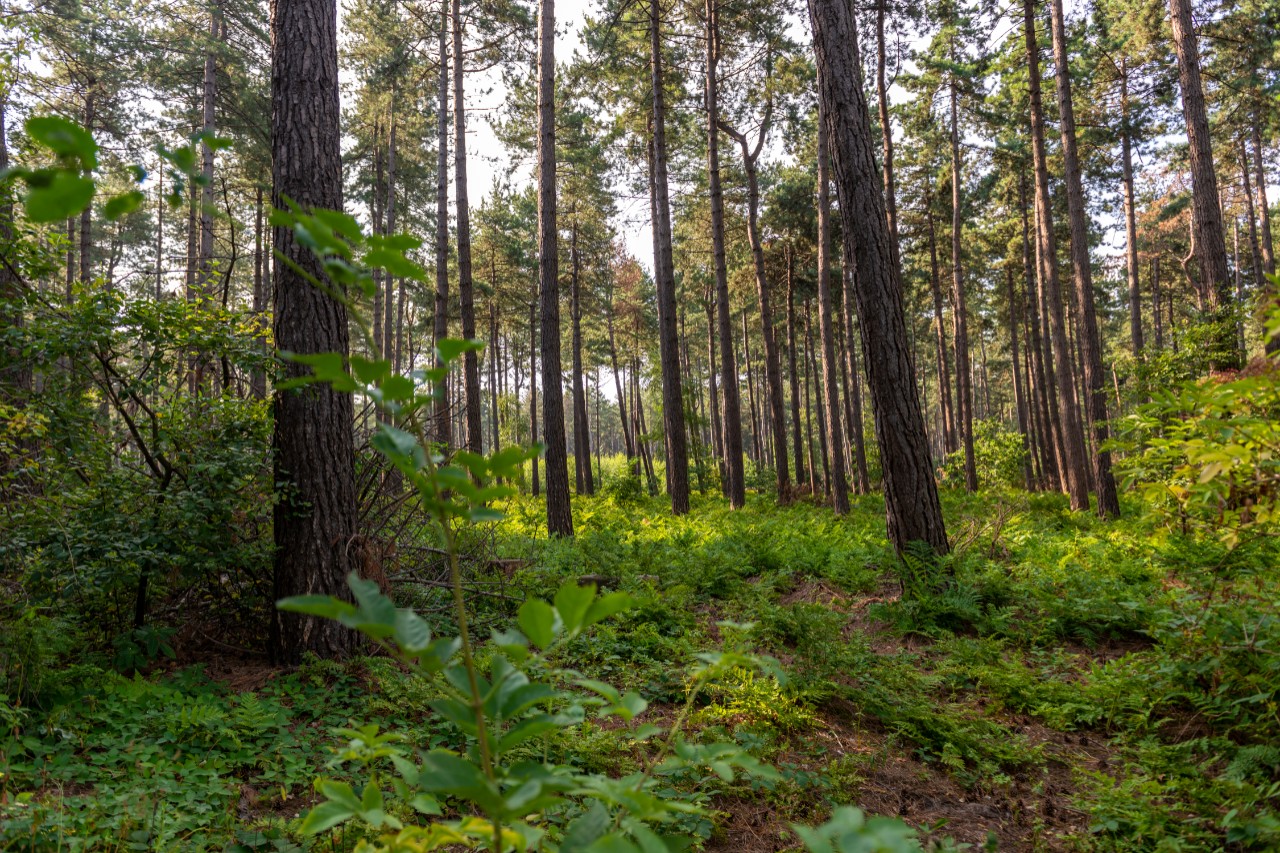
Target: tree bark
<point>735,479</point>
<point>315,518</point>
<point>1088,339</point>
<point>950,439</point>
<point>664,275</point>
<point>959,313</point>
<point>443,423</point>
<point>559,511</point>
<point>886,129</point>
<point>1130,216</point>
<point>466,289</point>
<point>830,387</point>
<point>862,479</point>
<point>209,93</point>
<point>913,510</point>
<point>1264,208</point>
<point>1073,462</point>
<point>772,365</point>
<point>581,423</point>
<point>1210,245</point>
<point>791,365</point>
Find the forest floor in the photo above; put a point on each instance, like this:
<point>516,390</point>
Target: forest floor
<point>1073,685</point>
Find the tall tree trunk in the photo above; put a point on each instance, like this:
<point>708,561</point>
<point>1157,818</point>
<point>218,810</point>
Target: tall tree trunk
<point>1130,216</point>
<point>315,519</point>
<point>581,424</point>
<point>735,480</point>
<point>1042,396</point>
<point>808,414</point>
<point>209,93</point>
<point>495,355</point>
<point>466,289</point>
<point>791,364</point>
<point>1264,209</point>
<point>913,511</point>
<point>1210,245</point>
<point>443,422</point>
<point>1020,402</point>
<point>950,438</point>
<point>393,304</point>
<point>772,364</point>
<point>1157,312</point>
<point>533,387</point>
<point>381,278</point>
<point>1255,247</point>
<point>830,388</point>
<point>713,393</point>
<point>751,393</point>
<point>959,314</point>
<point>627,443</point>
<point>1072,437</point>
<point>559,511</point>
<point>15,376</point>
<point>664,279</point>
<point>862,479</point>
<point>86,215</point>
<point>1090,341</point>
<point>886,129</point>
<point>259,379</point>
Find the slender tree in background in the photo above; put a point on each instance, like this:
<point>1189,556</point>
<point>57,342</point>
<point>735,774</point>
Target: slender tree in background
<point>1130,214</point>
<point>1074,478</point>
<point>315,518</point>
<point>664,275</point>
<point>830,388</point>
<point>1088,339</point>
<point>1209,244</point>
<point>912,507</point>
<point>735,481</point>
<point>443,422</point>
<point>466,290</point>
<point>559,511</point>
<point>959,307</point>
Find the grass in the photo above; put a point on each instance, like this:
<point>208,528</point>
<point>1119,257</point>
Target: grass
<point>1073,684</point>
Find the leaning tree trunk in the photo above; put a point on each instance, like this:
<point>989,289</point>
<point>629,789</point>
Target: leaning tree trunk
<point>559,512</point>
<point>1073,462</point>
<point>664,275</point>
<point>466,288</point>
<point>913,510</point>
<point>1090,341</point>
<point>735,481</point>
<point>315,518</point>
<point>1210,245</point>
<point>830,387</point>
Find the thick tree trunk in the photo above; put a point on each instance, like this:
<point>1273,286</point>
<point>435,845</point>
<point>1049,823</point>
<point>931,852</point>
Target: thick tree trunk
<point>1089,340</point>
<point>830,388</point>
<point>913,511</point>
<point>443,421</point>
<point>735,479</point>
<point>664,279</point>
<point>466,289</point>
<point>315,519</point>
<point>1072,437</point>
<point>1210,245</point>
<point>559,512</point>
<point>959,313</point>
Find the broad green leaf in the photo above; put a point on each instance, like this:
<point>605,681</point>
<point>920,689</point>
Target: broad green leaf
<point>607,606</point>
<point>572,603</point>
<point>325,606</point>
<point>325,816</point>
<point>123,204</point>
<point>369,371</point>
<point>537,620</point>
<point>412,633</point>
<point>449,349</point>
<point>63,195</point>
<point>64,138</point>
